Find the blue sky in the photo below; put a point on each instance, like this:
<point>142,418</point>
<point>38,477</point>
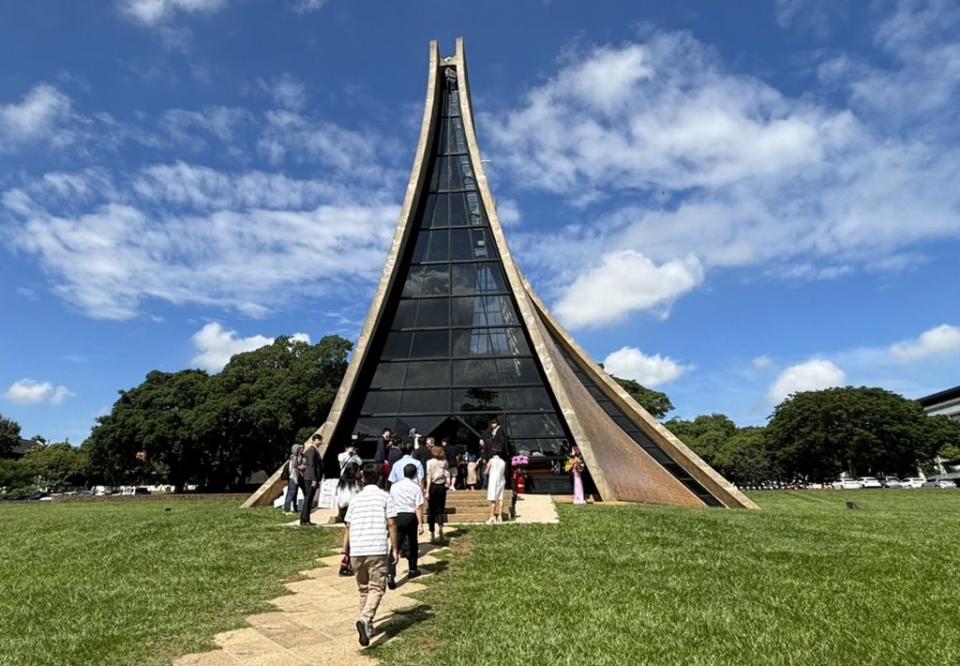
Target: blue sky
<point>729,202</point>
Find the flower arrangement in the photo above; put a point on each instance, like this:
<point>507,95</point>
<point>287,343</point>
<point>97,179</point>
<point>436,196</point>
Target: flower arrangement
<point>573,464</point>
<point>519,461</point>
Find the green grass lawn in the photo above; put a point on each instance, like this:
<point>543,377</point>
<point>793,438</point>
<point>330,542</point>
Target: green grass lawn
<point>132,583</point>
<point>803,581</point>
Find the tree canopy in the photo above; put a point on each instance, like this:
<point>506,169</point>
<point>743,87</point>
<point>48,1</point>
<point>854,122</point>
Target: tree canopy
<point>655,402</point>
<point>189,427</point>
<point>861,431</point>
<point>9,435</point>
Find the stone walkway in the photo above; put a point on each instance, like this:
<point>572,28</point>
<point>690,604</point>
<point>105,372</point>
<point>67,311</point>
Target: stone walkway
<point>536,509</point>
<point>316,624</point>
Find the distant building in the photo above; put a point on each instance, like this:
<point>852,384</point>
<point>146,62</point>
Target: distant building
<point>944,403</point>
<point>21,449</point>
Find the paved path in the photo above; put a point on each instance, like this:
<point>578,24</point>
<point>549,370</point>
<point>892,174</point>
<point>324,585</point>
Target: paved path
<point>536,509</point>
<point>316,624</point>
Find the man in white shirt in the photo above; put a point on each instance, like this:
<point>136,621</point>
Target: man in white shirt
<point>371,541</point>
<point>408,500</point>
<point>396,473</point>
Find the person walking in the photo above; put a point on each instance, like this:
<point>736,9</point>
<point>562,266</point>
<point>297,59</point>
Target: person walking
<point>496,480</point>
<point>423,454</point>
<point>439,480</point>
<point>293,479</point>
<point>383,443</point>
<point>311,474</point>
<point>371,540</point>
<point>396,472</point>
<point>408,500</point>
<point>348,487</point>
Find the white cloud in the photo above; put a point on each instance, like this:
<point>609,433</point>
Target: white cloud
<point>649,371</point>
<point>686,157</point>
<point>216,346</point>
<point>942,340</point>
<point>811,375</point>
<point>185,234</point>
<point>287,91</point>
<point>157,12</point>
<point>762,362</point>
<point>38,116</point>
<point>306,6</point>
<point>32,392</point>
<point>625,282</point>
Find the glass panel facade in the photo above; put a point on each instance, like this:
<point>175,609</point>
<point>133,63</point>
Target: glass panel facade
<point>452,344</point>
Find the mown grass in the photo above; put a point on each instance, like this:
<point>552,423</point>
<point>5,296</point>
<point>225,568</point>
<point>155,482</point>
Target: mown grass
<point>803,581</point>
<point>135,583</point>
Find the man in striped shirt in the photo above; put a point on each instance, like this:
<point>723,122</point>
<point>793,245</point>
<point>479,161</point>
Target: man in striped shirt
<point>371,541</point>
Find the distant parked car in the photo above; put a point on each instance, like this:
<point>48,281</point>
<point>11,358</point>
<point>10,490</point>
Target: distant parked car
<point>847,484</point>
<point>912,482</point>
<point>870,482</point>
<point>891,482</point>
<point>940,483</point>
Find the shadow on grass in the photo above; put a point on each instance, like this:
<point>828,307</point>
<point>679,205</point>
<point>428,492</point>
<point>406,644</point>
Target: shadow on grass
<point>401,620</point>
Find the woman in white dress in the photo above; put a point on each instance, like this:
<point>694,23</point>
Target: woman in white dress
<point>496,480</point>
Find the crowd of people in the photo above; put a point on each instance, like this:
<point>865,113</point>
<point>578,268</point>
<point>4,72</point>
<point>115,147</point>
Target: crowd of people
<point>385,503</point>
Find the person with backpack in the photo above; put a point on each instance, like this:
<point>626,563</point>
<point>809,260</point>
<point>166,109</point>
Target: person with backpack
<point>291,474</point>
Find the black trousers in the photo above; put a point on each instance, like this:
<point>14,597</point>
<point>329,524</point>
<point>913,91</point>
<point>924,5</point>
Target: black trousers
<point>438,505</point>
<point>308,492</point>
<point>406,531</point>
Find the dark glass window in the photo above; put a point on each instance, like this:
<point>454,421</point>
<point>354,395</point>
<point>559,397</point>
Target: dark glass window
<point>434,312</point>
<point>531,397</point>
<point>489,342</point>
<point>483,311</point>
<point>435,211</point>
<point>397,345</point>
<point>406,314</point>
<point>535,425</point>
<point>485,278</point>
<point>431,344</point>
<point>388,375</point>
<point>381,402</point>
<point>474,210</point>
<point>428,373</point>
<point>425,401</point>
<point>458,211</point>
<point>439,246</point>
<point>518,371</point>
<point>467,244</point>
<point>427,281</point>
<point>482,372</point>
<point>477,400</point>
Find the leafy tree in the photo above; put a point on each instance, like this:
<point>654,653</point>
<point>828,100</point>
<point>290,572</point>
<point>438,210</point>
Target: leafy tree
<point>820,434</point>
<point>655,402</point>
<point>57,465</point>
<point>706,434</point>
<point>745,458</point>
<point>15,478</point>
<point>190,427</point>
<point>945,433</point>
<point>9,435</point>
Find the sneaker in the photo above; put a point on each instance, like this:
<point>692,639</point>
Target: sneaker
<point>364,631</point>
<point>490,521</point>
<point>391,582</point>
<point>413,573</point>
<point>499,519</point>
